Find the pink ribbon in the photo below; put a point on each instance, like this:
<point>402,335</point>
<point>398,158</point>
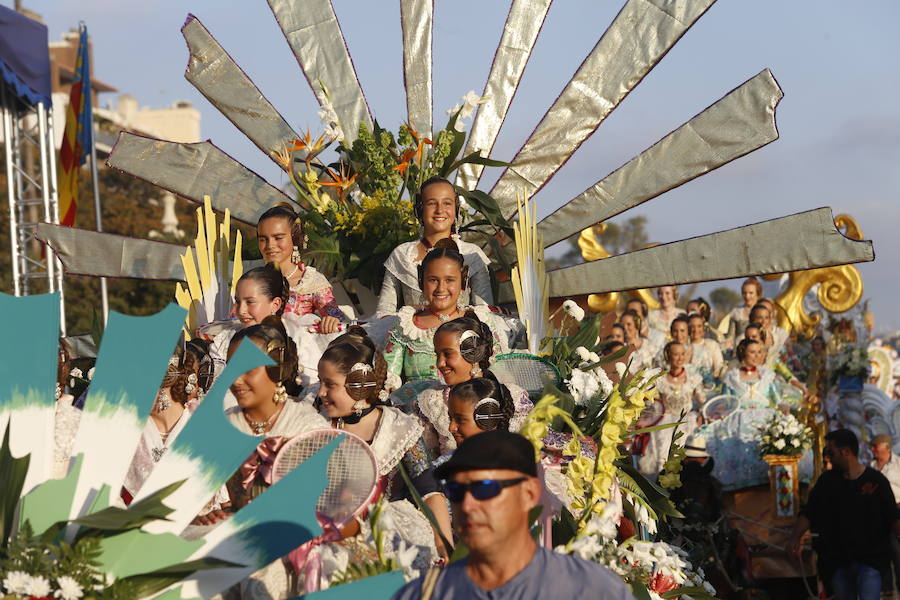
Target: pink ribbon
<point>303,560</point>
<point>259,464</point>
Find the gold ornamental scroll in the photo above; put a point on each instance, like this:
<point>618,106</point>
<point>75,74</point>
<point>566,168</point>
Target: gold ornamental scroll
<point>592,249</point>
<point>840,288</point>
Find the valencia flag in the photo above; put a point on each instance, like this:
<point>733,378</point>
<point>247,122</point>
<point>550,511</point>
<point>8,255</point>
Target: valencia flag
<point>76,142</point>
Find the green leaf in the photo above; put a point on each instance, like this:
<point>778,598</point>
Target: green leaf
<point>656,497</point>
<point>484,204</point>
<point>113,519</point>
<point>160,579</point>
<point>695,592</point>
<point>639,591</point>
<point>12,474</point>
<point>476,159</point>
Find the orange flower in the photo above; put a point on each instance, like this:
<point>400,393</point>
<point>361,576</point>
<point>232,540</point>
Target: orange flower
<point>341,180</point>
<point>283,156</point>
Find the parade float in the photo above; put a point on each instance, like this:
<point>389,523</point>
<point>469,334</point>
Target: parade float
<point>359,208</point>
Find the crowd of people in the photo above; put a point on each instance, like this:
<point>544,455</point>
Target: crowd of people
<point>416,384</point>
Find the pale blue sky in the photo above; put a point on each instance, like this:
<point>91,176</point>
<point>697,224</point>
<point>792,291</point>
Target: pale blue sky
<point>836,62</point>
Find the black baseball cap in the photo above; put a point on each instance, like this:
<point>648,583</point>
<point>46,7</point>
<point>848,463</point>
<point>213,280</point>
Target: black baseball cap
<point>491,450</point>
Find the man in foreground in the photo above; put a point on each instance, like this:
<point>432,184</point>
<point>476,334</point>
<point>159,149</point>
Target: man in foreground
<point>852,510</point>
<point>491,480</point>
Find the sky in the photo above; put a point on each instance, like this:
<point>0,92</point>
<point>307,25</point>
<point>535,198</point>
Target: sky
<point>839,121</point>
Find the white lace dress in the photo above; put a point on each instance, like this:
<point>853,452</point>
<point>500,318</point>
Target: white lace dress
<point>401,278</point>
<point>656,319</point>
<point>151,449</point>
<point>677,397</point>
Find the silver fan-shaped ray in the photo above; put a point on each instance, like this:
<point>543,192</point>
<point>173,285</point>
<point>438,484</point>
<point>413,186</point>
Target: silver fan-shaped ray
<point>741,122</point>
<point>314,35</point>
<point>85,252</point>
<point>637,39</point>
<point>416,23</point>
<point>215,75</point>
<point>806,240</point>
<point>523,24</point>
<point>196,170</point>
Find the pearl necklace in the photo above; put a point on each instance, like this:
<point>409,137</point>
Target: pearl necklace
<point>260,427</point>
<point>443,318</point>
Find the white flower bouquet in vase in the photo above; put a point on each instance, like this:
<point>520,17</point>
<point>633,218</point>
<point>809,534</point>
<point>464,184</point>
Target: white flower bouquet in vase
<point>784,440</point>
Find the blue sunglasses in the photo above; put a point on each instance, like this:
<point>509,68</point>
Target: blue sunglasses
<point>483,489</point>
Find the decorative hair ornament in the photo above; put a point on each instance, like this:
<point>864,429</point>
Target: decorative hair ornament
<point>485,402</point>
<point>163,401</point>
<point>295,255</point>
<point>366,370</point>
<point>467,335</point>
<point>191,384</point>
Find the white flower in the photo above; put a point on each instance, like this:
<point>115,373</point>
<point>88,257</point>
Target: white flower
<point>583,353</point>
<point>16,582</point>
<point>76,372</point>
<point>795,443</point>
<point>573,310</point>
<point>620,369</point>
<point>606,384</point>
<point>68,589</point>
<point>779,444</point>
<point>91,373</point>
<point>583,385</point>
<point>37,586</point>
<point>593,357</point>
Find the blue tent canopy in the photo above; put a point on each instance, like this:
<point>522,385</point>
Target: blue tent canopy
<point>24,56</point>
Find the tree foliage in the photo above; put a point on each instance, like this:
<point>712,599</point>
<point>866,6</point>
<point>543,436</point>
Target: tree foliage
<point>724,299</point>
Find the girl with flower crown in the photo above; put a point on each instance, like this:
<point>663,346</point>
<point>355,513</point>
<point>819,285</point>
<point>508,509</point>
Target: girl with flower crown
<point>279,233</point>
<point>436,206</point>
<point>463,347</point>
<point>409,351</point>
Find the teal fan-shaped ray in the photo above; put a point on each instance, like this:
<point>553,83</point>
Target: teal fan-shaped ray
<point>133,356</point>
<point>637,39</point>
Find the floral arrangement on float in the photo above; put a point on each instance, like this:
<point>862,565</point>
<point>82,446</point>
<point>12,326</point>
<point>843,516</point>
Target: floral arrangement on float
<point>784,435</point>
<point>361,207</point>
<point>850,362</point>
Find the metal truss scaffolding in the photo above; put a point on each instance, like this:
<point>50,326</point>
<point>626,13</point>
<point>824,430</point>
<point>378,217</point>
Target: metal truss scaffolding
<point>31,187</point>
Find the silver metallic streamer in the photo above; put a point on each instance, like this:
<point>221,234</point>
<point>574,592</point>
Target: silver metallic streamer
<point>215,75</point>
<point>739,123</point>
<point>315,36</point>
<point>807,240</point>
<point>416,21</point>
<point>85,252</point>
<point>196,170</point>
<point>523,24</point>
<point>638,38</point>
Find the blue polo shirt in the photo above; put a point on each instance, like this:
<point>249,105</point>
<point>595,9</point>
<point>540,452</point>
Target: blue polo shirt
<point>548,575</point>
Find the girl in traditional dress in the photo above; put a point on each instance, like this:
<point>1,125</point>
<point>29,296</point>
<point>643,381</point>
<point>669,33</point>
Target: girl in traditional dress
<point>734,440</point>
<point>351,382</point>
<point>706,354</point>
<point>739,317</point>
<point>281,241</point>
<point>661,318</point>
<point>437,207</point>
<point>775,336</point>
<point>463,347</point>
<point>188,377</point>
<point>644,350</point>
<point>681,393</point>
<point>755,331</point>
<point>409,351</point>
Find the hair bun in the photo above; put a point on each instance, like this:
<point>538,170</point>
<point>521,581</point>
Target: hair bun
<point>446,243</point>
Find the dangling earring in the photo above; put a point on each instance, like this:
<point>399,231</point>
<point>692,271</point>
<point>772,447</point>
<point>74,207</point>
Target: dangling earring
<point>295,256</point>
<point>58,390</point>
<point>191,384</point>
<point>280,394</point>
<point>358,407</point>
<point>476,371</point>
<point>163,401</point>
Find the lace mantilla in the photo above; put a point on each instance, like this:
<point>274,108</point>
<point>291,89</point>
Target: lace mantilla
<point>403,265</point>
<point>311,282</point>
<point>396,433</point>
<point>750,392</point>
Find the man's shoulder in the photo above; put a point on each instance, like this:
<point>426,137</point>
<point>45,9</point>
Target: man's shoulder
<point>586,571</point>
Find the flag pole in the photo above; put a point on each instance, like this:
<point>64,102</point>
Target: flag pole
<point>98,213</point>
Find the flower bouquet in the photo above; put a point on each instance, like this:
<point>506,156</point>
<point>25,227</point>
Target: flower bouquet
<point>784,435</point>
<point>850,367</point>
<point>359,208</point>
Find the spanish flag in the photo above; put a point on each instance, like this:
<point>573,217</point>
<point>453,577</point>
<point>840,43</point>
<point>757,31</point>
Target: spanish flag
<point>76,142</point>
